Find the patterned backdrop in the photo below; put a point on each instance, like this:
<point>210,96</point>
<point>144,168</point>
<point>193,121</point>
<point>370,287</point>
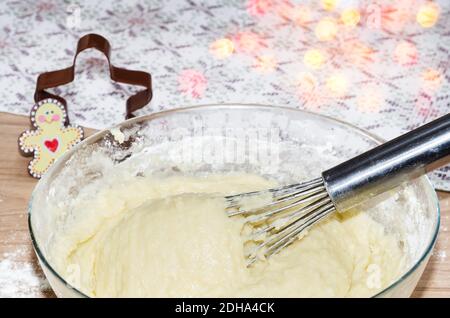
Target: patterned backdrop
<point>381,65</point>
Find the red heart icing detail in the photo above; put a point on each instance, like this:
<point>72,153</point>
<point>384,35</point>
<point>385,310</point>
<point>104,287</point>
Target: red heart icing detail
<point>52,145</point>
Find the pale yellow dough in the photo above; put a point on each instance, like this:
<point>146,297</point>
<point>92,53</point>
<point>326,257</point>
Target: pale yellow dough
<point>171,238</point>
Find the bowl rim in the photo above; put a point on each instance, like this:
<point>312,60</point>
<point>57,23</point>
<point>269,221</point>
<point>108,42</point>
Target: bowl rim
<point>163,113</point>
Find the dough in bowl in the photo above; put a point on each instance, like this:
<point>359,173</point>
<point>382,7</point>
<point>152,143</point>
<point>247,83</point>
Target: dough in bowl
<point>170,237</point>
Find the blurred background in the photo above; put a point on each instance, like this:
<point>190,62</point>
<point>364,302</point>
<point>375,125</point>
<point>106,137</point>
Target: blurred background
<point>381,65</point>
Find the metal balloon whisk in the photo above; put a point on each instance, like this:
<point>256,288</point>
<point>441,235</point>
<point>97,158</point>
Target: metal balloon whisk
<point>288,211</point>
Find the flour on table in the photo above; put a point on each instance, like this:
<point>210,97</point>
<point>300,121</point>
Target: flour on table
<point>18,278</point>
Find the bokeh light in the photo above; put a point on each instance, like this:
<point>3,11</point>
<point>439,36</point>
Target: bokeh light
<point>329,5</point>
<point>310,96</point>
<point>192,82</point>
<point>326,29</point>
<point>259,7</point>
<point>337,83</point>
<point>370,99</point>
<point>428,15</point>
<point>431,79</point>
<point>358,53</point>
<point>300,14</point>
<point>350,17</point>
<point>314,58</point>
<point>222,48</point>
<point>397,16</point>
<point>248,42</point>
<point>265,63</point>
<point>405,53</point>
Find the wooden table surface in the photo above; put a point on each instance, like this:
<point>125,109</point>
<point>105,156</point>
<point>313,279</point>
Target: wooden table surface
<point>16,186</point>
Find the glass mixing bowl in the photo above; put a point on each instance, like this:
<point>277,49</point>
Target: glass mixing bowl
<point>285,144</point>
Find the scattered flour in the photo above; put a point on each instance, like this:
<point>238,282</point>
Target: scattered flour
<point>18,278</point>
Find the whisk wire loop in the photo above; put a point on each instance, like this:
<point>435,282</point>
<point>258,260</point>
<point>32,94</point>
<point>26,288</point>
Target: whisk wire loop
<point>287,213</point>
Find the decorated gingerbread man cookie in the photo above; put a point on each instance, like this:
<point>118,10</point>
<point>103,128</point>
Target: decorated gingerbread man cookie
<point>50,138</point>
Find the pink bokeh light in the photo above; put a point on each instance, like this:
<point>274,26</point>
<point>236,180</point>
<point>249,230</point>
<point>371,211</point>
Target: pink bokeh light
<point>259,8</point>
<point>405,54</point>
<point>248,43</point>
<point>265,63</point>
<point>431,80</point>
<point>192,82</point>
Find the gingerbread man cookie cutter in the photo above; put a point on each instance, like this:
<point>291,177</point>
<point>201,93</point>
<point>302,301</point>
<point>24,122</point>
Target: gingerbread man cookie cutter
<point>52,135</point>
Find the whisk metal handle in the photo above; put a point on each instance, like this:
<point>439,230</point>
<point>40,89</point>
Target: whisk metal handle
<point>390,164</point>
